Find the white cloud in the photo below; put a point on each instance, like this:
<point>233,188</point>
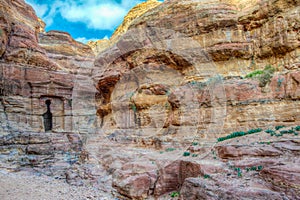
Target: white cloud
<point>102,17</point>
<point>96,14</point>
<point>40,9</point>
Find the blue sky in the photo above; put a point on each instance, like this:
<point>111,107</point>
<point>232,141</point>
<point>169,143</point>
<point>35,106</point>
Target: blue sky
<point>83,19</point>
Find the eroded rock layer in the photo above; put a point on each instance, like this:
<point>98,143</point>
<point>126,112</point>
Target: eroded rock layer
<point>42,80</point>
<point>183,64</point>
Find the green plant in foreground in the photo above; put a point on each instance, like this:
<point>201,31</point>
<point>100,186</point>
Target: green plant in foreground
<point>206,176</point>
<point>194,155</point>
<point>297,128</point>
<point>174,194</point>
<point>195,143</point>
<point>239,174</point>
<point>186,153</point>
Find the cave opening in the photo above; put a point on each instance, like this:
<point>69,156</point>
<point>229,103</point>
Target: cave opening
<point>48,123</point>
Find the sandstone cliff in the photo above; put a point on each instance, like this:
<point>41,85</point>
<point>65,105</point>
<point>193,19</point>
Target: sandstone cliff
<point>36,66</point>
<point>206,49</point>
<point>198,70</point>
<point>134,13</point>
<point>19,38</point>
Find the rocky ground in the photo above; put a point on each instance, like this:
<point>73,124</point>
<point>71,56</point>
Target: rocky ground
<point>25,185</point>
<point>262,164</point>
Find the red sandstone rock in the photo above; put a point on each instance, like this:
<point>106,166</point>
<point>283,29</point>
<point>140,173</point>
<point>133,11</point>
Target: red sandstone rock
<point>238,152</point>
<point>199,188</point>
<point>284,178</point>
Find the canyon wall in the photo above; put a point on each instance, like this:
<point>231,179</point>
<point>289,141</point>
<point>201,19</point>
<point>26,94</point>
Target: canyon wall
<point>36,66</point>
<point>46,94</point>
<point>181,70</point>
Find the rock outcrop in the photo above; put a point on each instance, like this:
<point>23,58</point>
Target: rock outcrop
<point>44,82</point>
<point>19,38</point>
<point>134,13</point>
<point>36,66</point>
<point>206,49</point>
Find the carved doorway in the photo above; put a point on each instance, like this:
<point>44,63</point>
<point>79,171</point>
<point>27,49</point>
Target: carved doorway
<point>48,122</point>
<point>53,113</point>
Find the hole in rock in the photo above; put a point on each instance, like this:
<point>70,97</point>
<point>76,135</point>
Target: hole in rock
<point>48,117</point>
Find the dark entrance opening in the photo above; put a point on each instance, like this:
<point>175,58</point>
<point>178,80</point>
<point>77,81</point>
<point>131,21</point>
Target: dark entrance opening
<point>48,117</point>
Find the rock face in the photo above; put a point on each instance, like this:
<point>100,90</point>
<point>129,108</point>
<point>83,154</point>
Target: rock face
<point>38,66</point>
<point>206,49</point>
<point>19,39</point>
<point>133,14</point>
<point>137,11</point>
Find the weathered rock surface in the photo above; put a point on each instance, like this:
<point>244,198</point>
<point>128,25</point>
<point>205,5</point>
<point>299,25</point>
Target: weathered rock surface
<point>49,153</point>
<point>70,55</point>
<point>137,11</point>
<point>36,66</point>
<point>19,40</point>
<point>199,188</point>
<point>284,178</point>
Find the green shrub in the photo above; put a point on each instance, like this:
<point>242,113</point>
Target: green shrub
<point>269,131</point>
<point>206,176</point>
<point>279,127</point>
<point>297,128</point>
<point>259,168</point>
<point>272,133</point>
<point>264,76</point>
<point>174,194</point>
<point>254,131</point>
<point>239,134</point>
<point>284,132</point>
<point>186,153</point>
<point>291,131</point>
<point>133,107</point>
<point>254,168</point>
<point>237,169</point>
<point>239,174</point>
<point>194,155</point>
<point>195,143</point>
<point>254,74</point>
<point>170,149</point>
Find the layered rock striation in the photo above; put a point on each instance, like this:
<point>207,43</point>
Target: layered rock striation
<point>134,13</point>
<point>185,57</point>
<point>44,82</point>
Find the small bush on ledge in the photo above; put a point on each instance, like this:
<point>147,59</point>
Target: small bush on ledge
<point>264,76</point>
<point>186,153</point>
<point>174,194</point>
<point>239,134</point>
